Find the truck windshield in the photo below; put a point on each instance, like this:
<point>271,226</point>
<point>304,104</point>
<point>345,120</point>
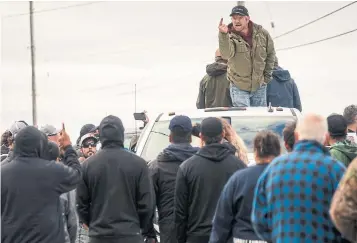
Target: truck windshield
<point>246,127</point>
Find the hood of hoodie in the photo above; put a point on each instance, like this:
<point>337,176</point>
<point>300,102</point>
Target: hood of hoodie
<point>281,75</point>
<point>30,142</point>
<point>217,151</point>
<point>347,148</point>
<point>177,152</point>
<point>111,132</point>
<point>216,69</point>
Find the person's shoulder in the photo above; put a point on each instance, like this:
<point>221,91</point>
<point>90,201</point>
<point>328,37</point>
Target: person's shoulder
<point>189,162</point>
<point>261,29</point>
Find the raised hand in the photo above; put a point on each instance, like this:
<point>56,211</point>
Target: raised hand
<point>222,27</point>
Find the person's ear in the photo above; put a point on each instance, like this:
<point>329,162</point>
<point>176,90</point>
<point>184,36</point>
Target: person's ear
<point>287,147</point>
<point>296,136</point>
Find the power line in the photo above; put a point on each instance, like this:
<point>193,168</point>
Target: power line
<point>322,17</point>
<point>50,9</point>
<point>318,41</point>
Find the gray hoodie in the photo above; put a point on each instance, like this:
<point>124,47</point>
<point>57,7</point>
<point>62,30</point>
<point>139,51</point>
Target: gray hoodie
<point>70,219</point>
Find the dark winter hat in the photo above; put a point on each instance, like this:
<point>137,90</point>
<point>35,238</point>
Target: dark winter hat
<point>240,10</point>
<point>86,129</point>
<point>181,121</point>
<point>211,127</point>
<point>337,125</point>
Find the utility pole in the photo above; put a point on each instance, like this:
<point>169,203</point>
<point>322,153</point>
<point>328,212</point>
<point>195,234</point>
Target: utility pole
<point>241,3</point>
<point>136,132</point>
<point>33,76</point>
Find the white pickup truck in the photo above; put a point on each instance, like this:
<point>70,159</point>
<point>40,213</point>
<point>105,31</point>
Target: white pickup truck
<point>247,121</point>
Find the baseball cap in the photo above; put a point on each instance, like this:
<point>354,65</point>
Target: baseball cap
<point>88,136</point>
<point>49,130</point>
<point>16,127</point>
<point>181,121</point>
<point>240,10</point>
<point>211,127</point>
<point>337,125</point>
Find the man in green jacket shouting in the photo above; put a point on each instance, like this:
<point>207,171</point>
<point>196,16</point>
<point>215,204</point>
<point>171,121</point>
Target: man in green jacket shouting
<point>250,52</point>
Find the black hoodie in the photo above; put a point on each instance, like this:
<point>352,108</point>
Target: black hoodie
<point>31,187</point>
<point>199,184</point>
<point>214,87</point>
<point>163,172</point>
<point>115,198</point>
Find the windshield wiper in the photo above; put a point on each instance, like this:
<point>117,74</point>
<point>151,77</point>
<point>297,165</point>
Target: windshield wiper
<point>160,133</point>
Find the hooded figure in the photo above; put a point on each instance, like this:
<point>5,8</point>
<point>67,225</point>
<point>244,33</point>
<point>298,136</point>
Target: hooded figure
<point>214,87</point>
<point>115,198</point>
<point>31,186</point>
<point>282,90</point>
<point>199,182</point>
<point>163,172</point>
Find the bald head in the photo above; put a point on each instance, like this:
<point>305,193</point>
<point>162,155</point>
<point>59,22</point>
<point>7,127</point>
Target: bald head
<point>312,127</point>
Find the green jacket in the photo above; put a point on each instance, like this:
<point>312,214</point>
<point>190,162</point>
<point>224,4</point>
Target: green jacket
<point>214,88</point>
<point>344,151</point>
<point>248,68</point>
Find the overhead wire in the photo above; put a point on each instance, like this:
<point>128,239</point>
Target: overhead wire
<point>318,41</point>
<point>51,9</point>
<point>314,21</point>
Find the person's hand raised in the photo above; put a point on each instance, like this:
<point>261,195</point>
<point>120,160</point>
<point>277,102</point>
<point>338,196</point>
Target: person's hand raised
<point>64,139</point>
<point>222,27</point>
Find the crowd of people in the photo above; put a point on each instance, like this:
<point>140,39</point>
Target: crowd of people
<point>97,191</point>
<point>246,71</point>
<point>55,192</point>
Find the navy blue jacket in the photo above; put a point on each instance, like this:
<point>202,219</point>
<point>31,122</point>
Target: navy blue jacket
<point>233,212</point>
<point>282,90</point>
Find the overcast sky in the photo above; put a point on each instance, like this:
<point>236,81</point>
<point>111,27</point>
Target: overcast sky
<point>88,58</point>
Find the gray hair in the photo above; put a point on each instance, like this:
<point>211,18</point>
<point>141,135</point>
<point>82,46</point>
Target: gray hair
<point>350,114</point>
<point>312,127</point>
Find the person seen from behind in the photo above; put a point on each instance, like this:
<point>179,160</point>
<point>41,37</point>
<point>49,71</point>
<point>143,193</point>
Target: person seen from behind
<point>232,137</point>
<point>250,52</point>
<point>114,198</point>
<point>30,206</point>
<point>214,87</point>
<point>293,195</point>
<point>68,202</point>
<point>282,90</point>
<point>350,114</point>
<point>199,183</point>
<point>340,148</point>
<point>343,209</point>
<point>163,172</point>
<point>289,136</point>
<point>232,217</point>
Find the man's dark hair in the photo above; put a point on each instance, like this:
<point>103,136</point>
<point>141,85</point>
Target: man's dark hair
<point>288,134</point>
<point>350,114</point>
<point>178,135</point>
<point>266,144</point>
<point>211,140</point>
<point>5,138</point>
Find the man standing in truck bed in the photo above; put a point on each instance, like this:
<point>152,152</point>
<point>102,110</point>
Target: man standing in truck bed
<point>250,52</point>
